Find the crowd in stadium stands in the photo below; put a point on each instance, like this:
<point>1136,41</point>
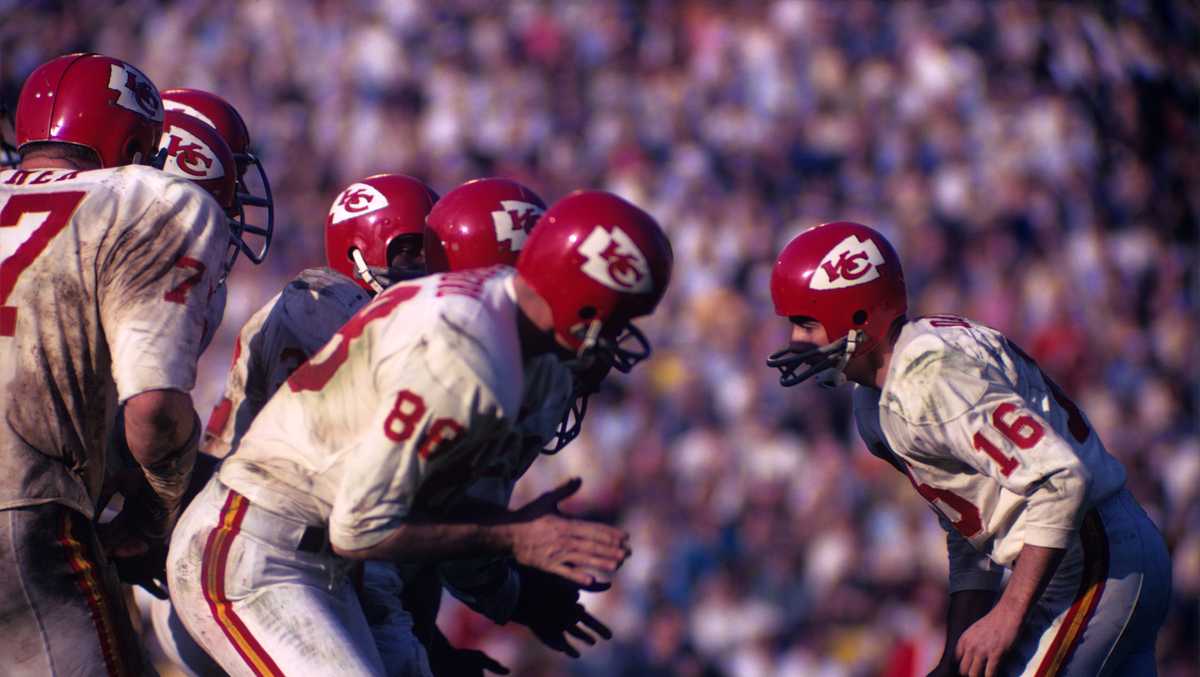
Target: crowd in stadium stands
<point>1036,165</point>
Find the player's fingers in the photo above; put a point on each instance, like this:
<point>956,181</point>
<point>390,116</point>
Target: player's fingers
<point>561,644</point>
<point>990,666</point>
<point>606,564</point>
<point>964,662</point>
<point>974,665</point>
<point>561,492</point>
<point>595,625</point>
<point>578,633</point>
<point>577,576</point>
<point>595,549</point>
<point>600,533</point>
<point>599,586</point>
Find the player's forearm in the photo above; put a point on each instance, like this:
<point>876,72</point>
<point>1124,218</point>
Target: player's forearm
<point>1034,569</point>
<point>434,541</point>
<point>162,432</point>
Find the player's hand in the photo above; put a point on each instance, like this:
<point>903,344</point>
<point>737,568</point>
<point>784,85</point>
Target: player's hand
<point>549,606</point>
<point>446,659</point>
<point>572,548</point>
<point>140,559</point>
<point>982,647</point>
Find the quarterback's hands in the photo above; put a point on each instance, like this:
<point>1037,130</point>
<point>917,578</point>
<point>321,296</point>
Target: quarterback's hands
<point>542,538</point>
<point>982,647</point>
<point>550,607</point>
<point>136,539</point>
<point>446,659</point>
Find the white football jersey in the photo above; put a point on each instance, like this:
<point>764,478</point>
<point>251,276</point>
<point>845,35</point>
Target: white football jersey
<point>109,283</point>
<point>273,343</point>
<point>996,448</point>
<point>418,396</point>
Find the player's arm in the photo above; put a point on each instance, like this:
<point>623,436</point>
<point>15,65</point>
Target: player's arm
<point>488,585</point>
<point>422,443</point>
<point>535,535</point>
<point>162,432</point>
<point>157,287</point>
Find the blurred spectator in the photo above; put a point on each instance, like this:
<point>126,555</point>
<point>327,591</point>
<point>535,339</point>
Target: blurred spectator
<point>1036,164</point>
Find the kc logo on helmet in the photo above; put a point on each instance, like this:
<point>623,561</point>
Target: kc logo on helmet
<point>135,91</point>
<point>514,220</point>
<point>190,157</point>
<point>850,263</point>
<point>614,261</point>
<point>358,199</point>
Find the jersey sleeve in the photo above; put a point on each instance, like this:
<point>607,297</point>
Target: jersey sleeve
<point>157,285</point>
<point>419,440</point>
<point>967,409</point>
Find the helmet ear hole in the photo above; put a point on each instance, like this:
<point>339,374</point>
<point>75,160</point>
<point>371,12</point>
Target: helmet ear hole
<point>860,317</point>
<point>587,312</point>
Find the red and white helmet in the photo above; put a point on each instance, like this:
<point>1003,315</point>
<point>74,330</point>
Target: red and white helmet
<point>599,262</point>
<point>847,277</point>
<point>366,222</point>
<point>194,150</point>
<point>223,117</point>
<point>483,222</point>
<point>94,101</point>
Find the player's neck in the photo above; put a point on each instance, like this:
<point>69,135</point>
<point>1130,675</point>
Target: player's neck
<point>880,375</point>
<point>535,323</point>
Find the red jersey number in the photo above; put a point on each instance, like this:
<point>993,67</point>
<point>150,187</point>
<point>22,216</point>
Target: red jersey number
<point>47,214</point>
<point>316,372</point>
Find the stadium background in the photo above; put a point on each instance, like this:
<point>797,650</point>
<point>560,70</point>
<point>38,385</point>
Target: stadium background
<point>1036,165</point>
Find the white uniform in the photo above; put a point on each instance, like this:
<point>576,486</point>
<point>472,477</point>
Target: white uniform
<point>412,401</point>
<point>109,286</point>
<point>1006,459</point>
<point>276,340</point>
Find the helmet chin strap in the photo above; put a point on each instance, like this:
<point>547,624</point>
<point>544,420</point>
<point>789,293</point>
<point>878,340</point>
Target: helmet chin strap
<point>363,272</point>
<point>835,375</point>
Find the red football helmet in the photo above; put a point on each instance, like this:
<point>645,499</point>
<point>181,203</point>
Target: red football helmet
<point>847,277</point>
<point>94,101</point>
<point>599,262</point>
<point>222,116</point>
<point>481,223</point>
<point>366,223</point>
<point>194,150</point>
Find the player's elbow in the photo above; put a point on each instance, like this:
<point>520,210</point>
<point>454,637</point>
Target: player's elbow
<point>157,422</point>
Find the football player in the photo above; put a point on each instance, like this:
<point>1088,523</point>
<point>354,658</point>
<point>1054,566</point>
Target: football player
<point>194,150</point>
<point>111,283</point>
<point>366,446</point>
<point>1018,477</point>
<point>460,235</point>
<point>373,237</point>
